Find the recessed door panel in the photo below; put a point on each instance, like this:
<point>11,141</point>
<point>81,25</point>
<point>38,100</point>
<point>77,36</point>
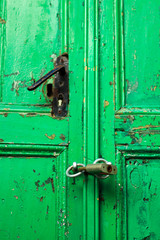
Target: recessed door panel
<point>31,196</point>
<point>143,201</point>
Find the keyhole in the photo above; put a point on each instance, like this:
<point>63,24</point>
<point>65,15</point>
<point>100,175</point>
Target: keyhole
<point>60,100</point>
<point>49,90</point>
<point>109,168</point>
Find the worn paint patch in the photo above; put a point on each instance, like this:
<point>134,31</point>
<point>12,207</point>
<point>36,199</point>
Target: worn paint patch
<point>50,137</point>
<point>41,199</point>
<point>146,126</point>
<point>106,103</point>
<point>49,180</point>
<point>5,114</point>
<point>54,57</point>
<point>21,114</point>
<point>2,21</point>
<point>31,114</point>
<point>59,21</point>
<point>18,84</point>
<point>131,87</point>
<point>62,137</point>
<point>12,74</point>
<point>1,140</point>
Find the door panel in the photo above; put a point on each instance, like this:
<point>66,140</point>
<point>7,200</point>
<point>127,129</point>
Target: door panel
<point>31,38</point>
<point>138,195</point>
<point>31,41</point>
<point>32,194</point>
<point>141,53</point>
<point>143,205</point>
<point>32,128</point>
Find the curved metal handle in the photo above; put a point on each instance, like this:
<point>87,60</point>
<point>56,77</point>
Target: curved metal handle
<point>60,68</point>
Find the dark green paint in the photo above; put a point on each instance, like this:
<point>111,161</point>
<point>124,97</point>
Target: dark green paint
<point>114,113</point>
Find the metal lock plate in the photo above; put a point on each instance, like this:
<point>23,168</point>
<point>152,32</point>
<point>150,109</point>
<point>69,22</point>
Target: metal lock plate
<point>61,88</point>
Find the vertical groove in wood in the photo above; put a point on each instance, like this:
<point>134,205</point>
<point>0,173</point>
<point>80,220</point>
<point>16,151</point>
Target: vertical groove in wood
<point>61,203</point>
<point>65,30</point>
<point>65,184</point>
<point>76,101</point>
<point>85,122</point>
<point>119,55</point>
<point>97,138</point>
<point>64,164</point>
<point>2,42</point>
<point>91,119</point>
<point>122,61</point>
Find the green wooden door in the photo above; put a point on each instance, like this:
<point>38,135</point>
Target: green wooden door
<point>114,94</point>
<point>129,46</point>
<point>37,200</point>
<point>137,125</point>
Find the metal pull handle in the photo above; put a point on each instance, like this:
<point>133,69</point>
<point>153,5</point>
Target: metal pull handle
<point>60,69</point>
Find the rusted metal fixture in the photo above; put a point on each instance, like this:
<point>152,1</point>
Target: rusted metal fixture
<point>60,90</point>
<point>99,170</point>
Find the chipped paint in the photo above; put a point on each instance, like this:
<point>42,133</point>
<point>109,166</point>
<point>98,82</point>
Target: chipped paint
<point>50,137</point>
<point>49,180</point>
<point>12,74</point>
<point>5,114</point>
<point>2,21</point>
<point>131,87</point>
<point>18,84</point>
<point>106,103</point>
<point>146,126</point>
<point>53,56</point>
<point>62,136</point>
